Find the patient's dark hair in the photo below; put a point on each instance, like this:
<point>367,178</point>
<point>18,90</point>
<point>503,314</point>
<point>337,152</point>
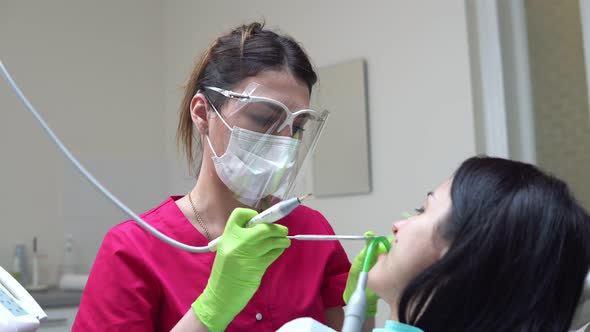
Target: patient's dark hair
<point>519,252</point>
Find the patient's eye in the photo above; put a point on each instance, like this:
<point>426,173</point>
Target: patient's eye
<point>419,210</point>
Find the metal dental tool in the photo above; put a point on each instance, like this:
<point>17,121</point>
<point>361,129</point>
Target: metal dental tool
<point>308,237</point>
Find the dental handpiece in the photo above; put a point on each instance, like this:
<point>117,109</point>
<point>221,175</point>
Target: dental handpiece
<point>268,216</point>
<point>277,211</point>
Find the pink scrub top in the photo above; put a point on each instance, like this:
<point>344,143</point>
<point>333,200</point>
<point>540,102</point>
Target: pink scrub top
<point>139,283</point>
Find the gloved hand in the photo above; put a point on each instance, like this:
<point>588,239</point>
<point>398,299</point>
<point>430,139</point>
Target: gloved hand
<point>243,255</point>
<point>357,268</point>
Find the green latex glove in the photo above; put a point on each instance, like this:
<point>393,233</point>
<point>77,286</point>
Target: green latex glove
<point>243,255</point>
<point>357,268</point>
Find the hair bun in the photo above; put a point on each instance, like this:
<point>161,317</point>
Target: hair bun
<point>247,30</point>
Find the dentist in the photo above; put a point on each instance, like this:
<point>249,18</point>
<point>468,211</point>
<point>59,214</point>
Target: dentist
<point>246,129</point>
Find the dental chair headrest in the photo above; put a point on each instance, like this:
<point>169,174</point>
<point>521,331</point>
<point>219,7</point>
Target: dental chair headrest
<point>582,316</point>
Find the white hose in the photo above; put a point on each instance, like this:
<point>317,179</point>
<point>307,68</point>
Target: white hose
<point>90,177</point>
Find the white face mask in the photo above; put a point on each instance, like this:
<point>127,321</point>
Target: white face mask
<point>255,165</point>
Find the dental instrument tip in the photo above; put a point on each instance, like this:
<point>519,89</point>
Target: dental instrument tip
<point>318,237</point>
<point>301,198</point>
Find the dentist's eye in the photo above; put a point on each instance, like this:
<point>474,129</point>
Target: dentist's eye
<point>419,210</point>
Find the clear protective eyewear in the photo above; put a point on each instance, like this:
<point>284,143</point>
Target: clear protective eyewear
<point>263,114</point>
<point>263,118</point>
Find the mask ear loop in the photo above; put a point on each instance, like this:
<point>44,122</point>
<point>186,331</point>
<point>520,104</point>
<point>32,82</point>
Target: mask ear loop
<point>220,117</point>
<point>217,112</point>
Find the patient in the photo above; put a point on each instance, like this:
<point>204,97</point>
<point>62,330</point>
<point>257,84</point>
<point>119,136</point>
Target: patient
<point>501,246</point>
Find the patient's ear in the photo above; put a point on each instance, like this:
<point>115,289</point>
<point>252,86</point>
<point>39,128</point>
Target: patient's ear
<point>198,110</point>
<point>582,315</point>
<point>443,251</point>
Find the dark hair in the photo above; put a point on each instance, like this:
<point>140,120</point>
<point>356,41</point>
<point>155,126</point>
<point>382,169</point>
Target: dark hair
<point>518,256</point>
<point>244,52</point>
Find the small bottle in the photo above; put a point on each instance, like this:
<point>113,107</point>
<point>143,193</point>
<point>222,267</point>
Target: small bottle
<point>19,264</point>
<point>68,266</point>
<point>34,265</point>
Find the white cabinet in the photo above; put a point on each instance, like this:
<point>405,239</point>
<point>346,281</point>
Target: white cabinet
<point>59,319</point>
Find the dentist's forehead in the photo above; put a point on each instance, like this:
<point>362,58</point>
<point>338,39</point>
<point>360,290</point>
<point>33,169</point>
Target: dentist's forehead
<point>278,85</point>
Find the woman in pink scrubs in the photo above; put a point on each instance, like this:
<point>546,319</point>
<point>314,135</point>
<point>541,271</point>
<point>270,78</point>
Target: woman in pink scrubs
<point>246,128</point>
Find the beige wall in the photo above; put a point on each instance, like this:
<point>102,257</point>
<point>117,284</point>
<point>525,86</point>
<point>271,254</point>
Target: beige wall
<point>94,71</point>
<point>420,112</point>
<point>562,122</point>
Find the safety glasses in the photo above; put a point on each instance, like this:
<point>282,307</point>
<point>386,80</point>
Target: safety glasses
<point>263,114</point>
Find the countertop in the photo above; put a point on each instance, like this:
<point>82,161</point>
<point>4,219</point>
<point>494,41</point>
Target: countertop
<point>57,298</point>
